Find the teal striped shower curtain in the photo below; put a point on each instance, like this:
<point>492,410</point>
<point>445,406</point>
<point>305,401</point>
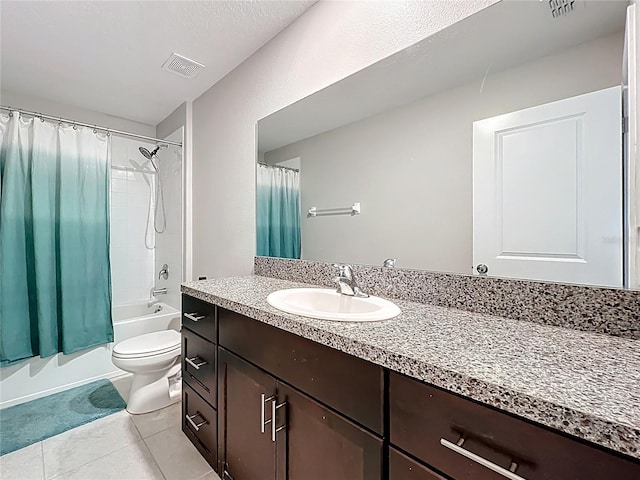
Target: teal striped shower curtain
<point>278,212</point>
<point>55,287</point>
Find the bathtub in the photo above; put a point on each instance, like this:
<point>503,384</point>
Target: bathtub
<point>38,377</point>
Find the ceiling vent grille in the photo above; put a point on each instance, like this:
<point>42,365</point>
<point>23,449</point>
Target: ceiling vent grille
<point>183,66</point>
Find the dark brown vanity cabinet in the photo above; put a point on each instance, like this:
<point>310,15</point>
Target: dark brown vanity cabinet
<point>245,448</point>
<point>402,467</point>
<point>199,375</point>
<point>466,440</point>
<point>261,403</point>
<point>269,430</point>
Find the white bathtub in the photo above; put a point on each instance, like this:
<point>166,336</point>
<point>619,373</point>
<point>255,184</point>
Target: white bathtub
<point>38,377</point>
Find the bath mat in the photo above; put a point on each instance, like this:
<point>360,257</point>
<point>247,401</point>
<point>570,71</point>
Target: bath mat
<point>30,422</point>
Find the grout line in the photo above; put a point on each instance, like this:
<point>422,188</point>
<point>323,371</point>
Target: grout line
<point>44,474</point>
<point>60,475</point>
<point>153,457</point>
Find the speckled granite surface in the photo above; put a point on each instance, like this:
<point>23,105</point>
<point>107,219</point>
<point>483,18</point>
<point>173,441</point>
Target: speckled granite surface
<point>590,309</point>
<point>585,384</point>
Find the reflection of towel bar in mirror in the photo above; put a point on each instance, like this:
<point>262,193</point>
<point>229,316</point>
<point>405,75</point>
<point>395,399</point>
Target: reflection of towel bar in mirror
<point>352,210</point>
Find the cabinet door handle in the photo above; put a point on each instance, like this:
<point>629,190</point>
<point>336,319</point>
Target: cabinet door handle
<point>196,362</point>
<point>194,317</point>
<point>457,447</point>
<point>263,422</point>
<point>194,424</point>
<point>274,409</point>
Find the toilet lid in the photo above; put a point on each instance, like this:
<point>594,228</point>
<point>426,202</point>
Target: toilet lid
<point>154,343</point>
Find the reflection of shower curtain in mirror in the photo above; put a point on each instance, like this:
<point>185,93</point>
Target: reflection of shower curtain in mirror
<point>278,212</point>
<point>55,290</point>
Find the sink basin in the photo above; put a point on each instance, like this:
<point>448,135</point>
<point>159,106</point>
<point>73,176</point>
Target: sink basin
<point>327,304</point>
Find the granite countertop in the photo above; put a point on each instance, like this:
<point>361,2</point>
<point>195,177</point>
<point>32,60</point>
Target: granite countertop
<point>584,384</point>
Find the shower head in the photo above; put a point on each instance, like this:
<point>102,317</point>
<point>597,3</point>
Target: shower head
<point>147,154</point>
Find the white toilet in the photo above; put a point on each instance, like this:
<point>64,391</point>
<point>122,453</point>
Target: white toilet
<point>154,361</point>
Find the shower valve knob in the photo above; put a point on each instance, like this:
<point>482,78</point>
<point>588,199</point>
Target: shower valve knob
<point>164,272</point>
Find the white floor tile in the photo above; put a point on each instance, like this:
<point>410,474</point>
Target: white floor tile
<point>23,464</point>
<point>123,385</point>
<point>177,457</point>
<point>210,476</point>
<point>70,450</point>
<point>133,462</point>
<point>151,423</point>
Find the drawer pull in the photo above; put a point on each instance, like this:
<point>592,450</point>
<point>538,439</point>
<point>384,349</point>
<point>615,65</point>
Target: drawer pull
<point>264,400</point>
<point>457,447</point>
<point>274,409</point>
<point>196,362</point>
<point>194,424</point>
<point>194,317</point>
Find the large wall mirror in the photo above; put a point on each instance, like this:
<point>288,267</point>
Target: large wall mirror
<point>494,147</point>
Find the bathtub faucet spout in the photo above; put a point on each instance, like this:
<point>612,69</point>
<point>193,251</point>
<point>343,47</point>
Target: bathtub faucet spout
<point>154,300</point>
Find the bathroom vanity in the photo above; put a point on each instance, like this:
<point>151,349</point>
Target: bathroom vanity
<point>433,393</point>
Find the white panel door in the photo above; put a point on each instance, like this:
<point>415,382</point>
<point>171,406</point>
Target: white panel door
<point>547,191</point>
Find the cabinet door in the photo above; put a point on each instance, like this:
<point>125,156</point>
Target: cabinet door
<point>245,453</point>
<point>318,444</point>
<point>402,467</point>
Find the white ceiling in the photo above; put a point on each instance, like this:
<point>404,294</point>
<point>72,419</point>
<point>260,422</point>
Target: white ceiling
<point>106,56</point>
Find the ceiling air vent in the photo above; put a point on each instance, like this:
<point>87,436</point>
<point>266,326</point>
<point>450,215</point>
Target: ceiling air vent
<point>183,66</point>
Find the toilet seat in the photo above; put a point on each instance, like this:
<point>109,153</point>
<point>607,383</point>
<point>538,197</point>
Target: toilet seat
<point>148,345</point>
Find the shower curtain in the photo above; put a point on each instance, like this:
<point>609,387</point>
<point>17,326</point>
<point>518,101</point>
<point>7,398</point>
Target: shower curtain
<point>55,287</point>
<point>278,212</point>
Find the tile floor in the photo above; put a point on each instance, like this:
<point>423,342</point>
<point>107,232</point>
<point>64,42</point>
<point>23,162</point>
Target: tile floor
<point>118,447</point>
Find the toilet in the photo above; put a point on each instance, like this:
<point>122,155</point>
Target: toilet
<point>154,361</point>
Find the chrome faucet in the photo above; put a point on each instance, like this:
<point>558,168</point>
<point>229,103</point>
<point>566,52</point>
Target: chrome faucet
<point>347,283</point>
<point>389,262</point>
<point>152,296</point>
<point>158,291</point>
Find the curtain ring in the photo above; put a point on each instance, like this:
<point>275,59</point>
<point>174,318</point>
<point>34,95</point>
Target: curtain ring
<point>10,114</point>
<point>95,130</point>
<point>75,127</point>
<point>41,119</point>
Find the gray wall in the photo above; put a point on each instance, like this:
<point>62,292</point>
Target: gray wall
<point>411,167</point>
<point>177,119</point>
<point>327,43</point>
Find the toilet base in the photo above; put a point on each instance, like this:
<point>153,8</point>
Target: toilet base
<point>153,391</point>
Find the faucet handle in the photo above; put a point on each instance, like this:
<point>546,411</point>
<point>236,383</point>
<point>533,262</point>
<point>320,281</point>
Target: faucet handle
<point>344,270</point>
<point>389,262</point>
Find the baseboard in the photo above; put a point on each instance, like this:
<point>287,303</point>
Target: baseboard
<point>61,388</point>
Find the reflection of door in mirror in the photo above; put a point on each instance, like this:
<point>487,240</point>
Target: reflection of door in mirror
<point>547,191</point>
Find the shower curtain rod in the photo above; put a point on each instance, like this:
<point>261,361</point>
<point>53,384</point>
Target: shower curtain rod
<point>278,166</point>
<point>95,127</point>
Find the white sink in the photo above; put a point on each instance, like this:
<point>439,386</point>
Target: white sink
<point>327,304</point>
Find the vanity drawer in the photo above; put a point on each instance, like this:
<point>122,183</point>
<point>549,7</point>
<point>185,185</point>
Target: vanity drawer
<point>199,365</point>
<point>402,467</point>
<point>352,386</point>
<point>200,424</point>
<point>199,317</point>
<point>423,417</point>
